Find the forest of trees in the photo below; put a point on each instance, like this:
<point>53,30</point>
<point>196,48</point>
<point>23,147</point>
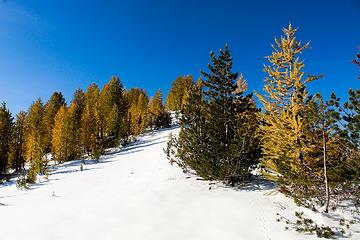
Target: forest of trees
<point>309,145</point>
<point>93,121</point>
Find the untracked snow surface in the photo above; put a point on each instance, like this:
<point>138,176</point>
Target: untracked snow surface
<point>137,194</point>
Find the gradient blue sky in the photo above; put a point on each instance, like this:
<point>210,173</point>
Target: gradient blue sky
<point>48,46</point>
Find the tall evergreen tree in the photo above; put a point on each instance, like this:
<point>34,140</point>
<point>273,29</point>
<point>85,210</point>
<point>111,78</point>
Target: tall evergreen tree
<point>348,116</point>
<point>90,122</point>
<point>111,101</point>
<point>79,104</point>
<point>6,127</point>
<point>219,124</point>
<point>18,143</point>
<point>192,142</point>
<point>332,138</point>
<point>118,97</point>
<point>325,145</point>
<point>229,123</point>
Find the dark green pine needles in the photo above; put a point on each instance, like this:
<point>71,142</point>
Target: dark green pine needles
<point>219,124</point>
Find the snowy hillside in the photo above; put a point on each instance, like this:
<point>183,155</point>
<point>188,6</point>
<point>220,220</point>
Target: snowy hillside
<point>137,194</point>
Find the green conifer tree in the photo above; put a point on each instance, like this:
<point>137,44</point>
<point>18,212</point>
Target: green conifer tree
<point>75,112</point>
<point>79,104</point>
<point>111,95</point>
<point>325,145</point>
<point>218,125</point>
<point>18,143</point>
<point>6,128</point>
<point>192,142</point>
<point>229,125</point>
<point>90,122</point>
<point>347,172</point>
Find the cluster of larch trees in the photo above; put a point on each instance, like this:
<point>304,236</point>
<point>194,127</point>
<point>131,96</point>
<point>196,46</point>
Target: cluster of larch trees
<point>309,145</point>
<point>178,93</point>
<point>93,121</point>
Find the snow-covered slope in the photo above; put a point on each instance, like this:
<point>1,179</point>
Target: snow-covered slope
<point>137,194</point>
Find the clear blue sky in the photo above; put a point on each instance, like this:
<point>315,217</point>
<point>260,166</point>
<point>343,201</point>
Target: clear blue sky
<point>48,46</point>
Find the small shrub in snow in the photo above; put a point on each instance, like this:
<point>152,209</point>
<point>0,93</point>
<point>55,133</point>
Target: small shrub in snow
<point>32,176</point>
<point>308,226</point>
<point>21,182</point>
<point>96,154</point>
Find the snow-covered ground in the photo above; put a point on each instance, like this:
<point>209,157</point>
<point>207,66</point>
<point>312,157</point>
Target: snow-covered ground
<point>137,194</point>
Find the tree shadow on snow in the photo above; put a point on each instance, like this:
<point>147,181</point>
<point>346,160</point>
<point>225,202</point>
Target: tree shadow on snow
<point>66,171</point>
<point>34,186</point>
<point>130,152</point>
<point>75,165</point>
<point>140,145</point>
<point>8,183</point>
<point>149,132</point>
<point>257,183</point>
<point>344,207</point>
<point>63,168</point>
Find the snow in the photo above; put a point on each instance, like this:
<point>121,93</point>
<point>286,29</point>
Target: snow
<point>136,194</point>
